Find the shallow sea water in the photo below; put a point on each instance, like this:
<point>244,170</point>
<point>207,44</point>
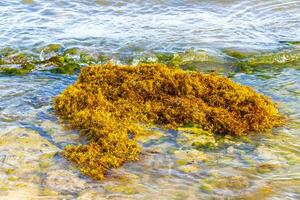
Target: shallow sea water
<point>261,166</point>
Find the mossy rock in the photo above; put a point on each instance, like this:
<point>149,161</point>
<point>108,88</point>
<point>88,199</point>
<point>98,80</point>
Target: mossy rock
<point>28,66</point>
<point>19,58</point>
<point>238,54</point>
<point>71,51</point>
<point>23,69</point>
<point>164,57</point>
<point>102,58</point>
<point>87,58</point>
<point>51,48</point>
<point>14,71</point>
<point>192,56</point>
<point>280,58</point>
<point>250,62</point>
<point>199,145</point>
<point>264,62</point>
<point>55,60</point>
<point>68,68</point>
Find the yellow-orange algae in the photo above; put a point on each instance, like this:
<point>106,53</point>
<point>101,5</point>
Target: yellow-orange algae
<point>109,103</point>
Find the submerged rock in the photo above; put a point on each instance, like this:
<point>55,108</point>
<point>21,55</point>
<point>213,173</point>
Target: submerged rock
<point>190,156</point>
<point>109,103</point>
<point>264,153</point>
<point>188,168</point>
<point>64,181</point>
<point>121,189</point>
<point>23,150</point>
<point>200,139</point>
<point>234,183</point>
<point>267,167</point>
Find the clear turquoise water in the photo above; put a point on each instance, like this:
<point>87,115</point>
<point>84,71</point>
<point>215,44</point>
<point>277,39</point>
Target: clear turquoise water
<point>265,166</point>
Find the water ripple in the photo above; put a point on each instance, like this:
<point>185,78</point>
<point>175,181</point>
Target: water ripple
<point>170,25</point>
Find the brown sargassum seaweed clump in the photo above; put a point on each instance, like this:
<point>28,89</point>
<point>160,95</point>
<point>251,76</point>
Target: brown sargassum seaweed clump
<point>110,104</point>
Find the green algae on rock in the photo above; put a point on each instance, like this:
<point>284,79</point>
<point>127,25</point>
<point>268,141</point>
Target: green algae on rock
<point>251,61</point>
<point>51,48</point>
<point>57,59</point>
<point>51,58</point>
<point>198,138</point>
<point>109,104</point>
<point>238,54</point>
<point>190,59</point>
<point>280,58</point>
<point>23,69</point>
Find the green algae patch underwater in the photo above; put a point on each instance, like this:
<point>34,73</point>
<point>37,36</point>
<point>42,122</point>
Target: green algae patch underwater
<point>111,105</point>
